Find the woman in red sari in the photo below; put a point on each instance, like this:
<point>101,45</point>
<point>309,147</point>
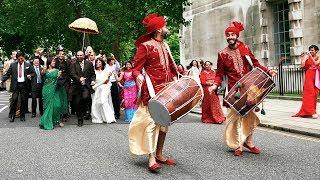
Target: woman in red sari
<point>310,90</point>
<point>211,107</point>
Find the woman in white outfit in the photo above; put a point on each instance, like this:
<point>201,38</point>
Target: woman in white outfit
<point>194,70</point>
<point>102,108</point>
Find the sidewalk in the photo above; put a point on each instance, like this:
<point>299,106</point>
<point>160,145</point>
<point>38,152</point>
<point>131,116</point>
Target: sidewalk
<point>278,116</point>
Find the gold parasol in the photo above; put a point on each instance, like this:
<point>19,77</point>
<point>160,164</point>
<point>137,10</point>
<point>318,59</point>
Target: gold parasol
<point>84,25</point>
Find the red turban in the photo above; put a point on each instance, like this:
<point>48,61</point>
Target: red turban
<point>152,22</point>
<point>235,27</point>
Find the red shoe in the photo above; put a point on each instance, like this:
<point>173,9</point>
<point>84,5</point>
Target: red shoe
<point>218,122</point>
<point>253,149</point>
<point>154,168</point>
<point>238,152</point>
<point>169,162</point>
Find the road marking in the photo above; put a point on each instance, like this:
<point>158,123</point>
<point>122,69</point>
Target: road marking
<point>3,108</point>
<point>298,136</point>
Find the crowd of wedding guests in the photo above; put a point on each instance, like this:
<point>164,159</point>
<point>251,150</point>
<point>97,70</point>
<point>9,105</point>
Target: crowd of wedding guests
<point>92,87</point>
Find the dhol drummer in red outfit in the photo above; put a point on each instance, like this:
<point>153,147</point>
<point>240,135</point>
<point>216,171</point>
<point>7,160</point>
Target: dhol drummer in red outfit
<point>211,107</point>
<point>153,68</point>
<point>232,62</point>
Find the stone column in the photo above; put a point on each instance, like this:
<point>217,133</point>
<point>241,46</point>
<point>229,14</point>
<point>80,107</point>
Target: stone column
<point>264,32</point>
<point>295,32</point>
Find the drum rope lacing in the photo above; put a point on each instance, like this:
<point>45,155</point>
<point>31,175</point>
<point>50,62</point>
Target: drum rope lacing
<point>174,95</point>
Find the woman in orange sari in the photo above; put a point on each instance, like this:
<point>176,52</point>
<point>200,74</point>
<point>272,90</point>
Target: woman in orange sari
<point>211,107</point>
<point>310,62</point>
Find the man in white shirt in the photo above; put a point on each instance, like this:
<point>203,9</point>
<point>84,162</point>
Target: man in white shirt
<point>20,72</point>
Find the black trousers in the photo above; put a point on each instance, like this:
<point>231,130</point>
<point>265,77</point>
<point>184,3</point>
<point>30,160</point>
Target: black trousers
<point>21,92</point>
<point>37,94</point>
<point>115,95</point>
<point>26,103</point>
<point>80,101</point>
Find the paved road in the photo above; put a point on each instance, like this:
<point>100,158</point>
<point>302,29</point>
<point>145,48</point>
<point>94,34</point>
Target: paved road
<point>100,151</point>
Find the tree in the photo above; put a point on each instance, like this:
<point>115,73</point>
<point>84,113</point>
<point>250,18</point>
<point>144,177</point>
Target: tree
<point>174,43</point>
<point>27,24</point>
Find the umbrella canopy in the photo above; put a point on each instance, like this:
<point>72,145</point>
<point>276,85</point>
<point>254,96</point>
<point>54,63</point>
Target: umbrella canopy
<point>84,25</point>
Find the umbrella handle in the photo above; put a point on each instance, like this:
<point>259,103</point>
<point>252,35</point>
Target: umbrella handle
<point>84,36</point>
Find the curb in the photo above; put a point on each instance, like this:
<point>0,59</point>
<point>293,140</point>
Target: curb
<point>296,131</point>
<point>270,126</point>
<point>287,98</point>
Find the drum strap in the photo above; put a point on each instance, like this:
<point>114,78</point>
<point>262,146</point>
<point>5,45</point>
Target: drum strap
<point>249,60</point>
<point>150,86</point>
<point>170,54</point>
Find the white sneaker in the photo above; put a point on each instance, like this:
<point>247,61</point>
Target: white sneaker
<point>315,116</point>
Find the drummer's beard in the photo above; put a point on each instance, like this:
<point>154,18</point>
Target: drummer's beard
<point>165,33</point>
<point>232,41</point>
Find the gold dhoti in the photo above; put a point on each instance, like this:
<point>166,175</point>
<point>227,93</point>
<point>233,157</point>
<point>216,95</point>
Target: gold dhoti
<point>238,128</point>
<point>143,132</point>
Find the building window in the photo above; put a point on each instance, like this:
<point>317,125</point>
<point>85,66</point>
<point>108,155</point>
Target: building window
<point>281,31</point>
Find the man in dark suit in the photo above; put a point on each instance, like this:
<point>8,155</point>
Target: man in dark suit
<point>92,58</point>
<point>36,87</point>
<point>20,72</point>
<point>83,75</point>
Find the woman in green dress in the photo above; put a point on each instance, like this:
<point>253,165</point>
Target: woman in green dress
<point>53,98</point>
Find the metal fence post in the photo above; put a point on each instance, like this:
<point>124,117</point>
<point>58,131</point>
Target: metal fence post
<point>281,79</point>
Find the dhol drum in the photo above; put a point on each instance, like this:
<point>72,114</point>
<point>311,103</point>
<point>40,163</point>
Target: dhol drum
<point>249,91</point>
<point>175,101</point>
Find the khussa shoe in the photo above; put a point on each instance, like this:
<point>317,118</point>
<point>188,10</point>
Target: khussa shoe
<point>154,168</point>
<point>253,149</point>
<point>169,162</point>
<point>238,152</point>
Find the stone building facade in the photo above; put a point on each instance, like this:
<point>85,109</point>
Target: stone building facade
<point>274,29</point>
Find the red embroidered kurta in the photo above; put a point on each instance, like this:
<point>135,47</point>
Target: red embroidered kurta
<point>157,62</point>
<point>211,108</point>
<point>310,91</point>
<point>233,64</point>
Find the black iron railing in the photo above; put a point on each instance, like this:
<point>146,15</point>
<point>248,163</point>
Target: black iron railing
<point>289,80</point>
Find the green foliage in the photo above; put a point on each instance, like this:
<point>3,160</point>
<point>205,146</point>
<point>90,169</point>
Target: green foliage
<point>174,43</point>
<point>28,24</point>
